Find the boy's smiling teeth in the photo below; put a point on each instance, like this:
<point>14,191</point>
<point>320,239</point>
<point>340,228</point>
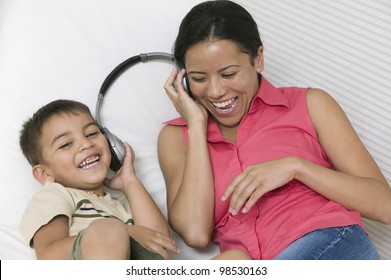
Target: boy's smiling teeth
<point>89,162</point>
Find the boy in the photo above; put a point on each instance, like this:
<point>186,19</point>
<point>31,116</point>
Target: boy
<point>72,217</point>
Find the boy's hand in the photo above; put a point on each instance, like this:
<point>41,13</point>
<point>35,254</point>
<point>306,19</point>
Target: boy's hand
<point>126,174</point>
<point>153,240</point>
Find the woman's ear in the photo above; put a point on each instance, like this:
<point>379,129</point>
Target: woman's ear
<point>259,62</point>
<point>41,175</point>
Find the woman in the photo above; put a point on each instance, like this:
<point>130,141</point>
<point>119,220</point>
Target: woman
<point>277,172</point>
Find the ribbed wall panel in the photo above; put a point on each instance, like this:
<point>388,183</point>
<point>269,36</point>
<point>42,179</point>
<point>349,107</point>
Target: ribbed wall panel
<point>343,47</point>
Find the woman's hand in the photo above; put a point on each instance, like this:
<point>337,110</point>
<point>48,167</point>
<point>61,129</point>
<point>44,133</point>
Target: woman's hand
<point>258,179</point>
<point>153,240</point>
<point>187,107</point>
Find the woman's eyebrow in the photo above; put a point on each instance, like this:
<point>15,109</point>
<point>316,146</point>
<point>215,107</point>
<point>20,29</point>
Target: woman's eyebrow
<point>220,70</point>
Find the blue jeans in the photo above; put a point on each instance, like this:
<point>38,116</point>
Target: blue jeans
<point>336,243</point>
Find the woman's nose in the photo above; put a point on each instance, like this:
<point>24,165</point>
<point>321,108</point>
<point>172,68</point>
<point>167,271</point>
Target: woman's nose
<point>216,89</point>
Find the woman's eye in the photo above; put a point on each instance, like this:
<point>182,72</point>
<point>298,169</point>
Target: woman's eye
<point>198,79</point>
<point>229,75</point>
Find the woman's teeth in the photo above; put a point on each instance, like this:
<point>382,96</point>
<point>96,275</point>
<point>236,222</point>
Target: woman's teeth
<point>89,162</point>
<point>225,105</point>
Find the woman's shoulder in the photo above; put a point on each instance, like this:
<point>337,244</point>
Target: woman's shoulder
<point>170,130</point>
<point>317,99</point>
<point>170,135</point>
<point>324,110</point>
<point>317,93</point>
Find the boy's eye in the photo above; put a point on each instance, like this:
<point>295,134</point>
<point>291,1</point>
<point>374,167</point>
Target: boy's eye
<point>91,134</point>
<point>65,145</point>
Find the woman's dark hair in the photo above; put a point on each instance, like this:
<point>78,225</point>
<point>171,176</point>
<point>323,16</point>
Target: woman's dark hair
<point>31,132</point>
<point>219,19</point>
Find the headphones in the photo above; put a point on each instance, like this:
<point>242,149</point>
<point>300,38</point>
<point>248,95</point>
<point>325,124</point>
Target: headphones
<point>116,146</point>
<point>185,81</point>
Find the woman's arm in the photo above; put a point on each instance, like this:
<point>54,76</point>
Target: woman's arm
<point>187,170</point>
<point>358,183</point>
<point>189,182</point>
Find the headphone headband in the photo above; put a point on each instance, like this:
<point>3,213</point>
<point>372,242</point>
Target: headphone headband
<point>117,71</point>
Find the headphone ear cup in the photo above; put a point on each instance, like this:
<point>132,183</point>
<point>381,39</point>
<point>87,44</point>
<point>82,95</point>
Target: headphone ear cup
<point>117,149</point>
<point>186,85</point>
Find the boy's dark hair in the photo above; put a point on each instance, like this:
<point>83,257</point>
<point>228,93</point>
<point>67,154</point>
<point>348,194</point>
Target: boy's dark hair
<point>31,132</point>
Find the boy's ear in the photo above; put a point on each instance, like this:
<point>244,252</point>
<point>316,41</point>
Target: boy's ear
<point>41,175</point>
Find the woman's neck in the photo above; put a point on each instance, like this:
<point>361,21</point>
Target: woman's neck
<point>229,133</point>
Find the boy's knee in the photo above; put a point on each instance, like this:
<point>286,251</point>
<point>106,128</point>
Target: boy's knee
<point>106,232</point>
<point>106,239</point>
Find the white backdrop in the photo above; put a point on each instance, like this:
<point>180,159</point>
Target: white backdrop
<point>52,49</point>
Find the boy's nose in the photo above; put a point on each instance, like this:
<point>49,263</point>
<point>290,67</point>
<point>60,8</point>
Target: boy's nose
<point>86,144</point>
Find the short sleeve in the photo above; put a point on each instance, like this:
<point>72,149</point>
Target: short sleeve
<point>46,204</point>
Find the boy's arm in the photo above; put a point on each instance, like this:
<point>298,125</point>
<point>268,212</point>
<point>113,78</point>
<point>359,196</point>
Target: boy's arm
<point>144,210</point>
<point>52,240</point>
